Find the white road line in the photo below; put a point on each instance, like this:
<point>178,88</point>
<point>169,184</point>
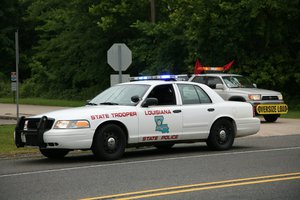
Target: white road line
<point>146,161</point>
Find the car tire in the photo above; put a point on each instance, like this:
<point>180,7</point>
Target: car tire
<point>54,153</point>
<point>109,142</point>
<point>221,135</point>
<point>164,147</point>
<point>271,118</point>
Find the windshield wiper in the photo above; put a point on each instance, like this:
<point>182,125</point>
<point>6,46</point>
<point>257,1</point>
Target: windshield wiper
<point>91,104</point>
<point>108,103</point>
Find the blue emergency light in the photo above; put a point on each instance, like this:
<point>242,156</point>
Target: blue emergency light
<point>156,77</point>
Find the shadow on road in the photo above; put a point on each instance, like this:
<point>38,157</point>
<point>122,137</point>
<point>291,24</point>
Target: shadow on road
<point>134,154</point>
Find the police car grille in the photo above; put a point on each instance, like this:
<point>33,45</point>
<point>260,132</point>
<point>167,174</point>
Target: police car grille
<point>32,124</point>
<point>270,98</point>
<point>31,132</point>
<point>31,139</point>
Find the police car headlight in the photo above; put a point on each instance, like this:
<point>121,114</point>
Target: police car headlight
<point>63,124</point>
<point>254,97</point>
<point>280,97</point>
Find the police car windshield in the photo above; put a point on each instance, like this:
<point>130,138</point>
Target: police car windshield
<point>120,95</point>
<point>237,82</point>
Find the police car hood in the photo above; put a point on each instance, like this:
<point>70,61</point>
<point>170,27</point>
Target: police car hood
<point>263,92</point>
<point>85,112</point>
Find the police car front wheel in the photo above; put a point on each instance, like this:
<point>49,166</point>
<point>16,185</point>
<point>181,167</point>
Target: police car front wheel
<point>109,142</point>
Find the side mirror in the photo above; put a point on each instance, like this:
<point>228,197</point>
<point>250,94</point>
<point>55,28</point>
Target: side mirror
<point>254,85</point>
<point>150,102</point>
<point>135,99</point>
<point>220,86</point>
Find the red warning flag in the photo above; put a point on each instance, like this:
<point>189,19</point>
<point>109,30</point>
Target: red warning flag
<point>227,66</point>
<point>198,69</point>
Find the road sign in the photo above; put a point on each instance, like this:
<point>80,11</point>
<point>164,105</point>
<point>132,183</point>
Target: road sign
<point>119,57</point>
<point>13,86</point>
<point>114,79</point>
<point>13,76</point>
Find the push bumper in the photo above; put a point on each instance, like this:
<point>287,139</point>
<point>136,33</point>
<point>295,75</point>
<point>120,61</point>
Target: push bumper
<point>38,132</point>
<point>33,130</point>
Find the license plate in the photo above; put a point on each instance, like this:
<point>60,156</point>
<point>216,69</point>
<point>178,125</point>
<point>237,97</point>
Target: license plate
<point>272,109</point>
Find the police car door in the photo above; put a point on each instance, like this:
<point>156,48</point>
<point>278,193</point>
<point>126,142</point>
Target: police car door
<point>162,122</point>
<point>197,110</point>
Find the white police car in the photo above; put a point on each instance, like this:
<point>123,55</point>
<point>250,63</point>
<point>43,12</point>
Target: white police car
<point>141,113</point>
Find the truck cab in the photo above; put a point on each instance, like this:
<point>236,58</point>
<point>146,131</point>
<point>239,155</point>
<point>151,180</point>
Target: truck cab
<point>233,87</point>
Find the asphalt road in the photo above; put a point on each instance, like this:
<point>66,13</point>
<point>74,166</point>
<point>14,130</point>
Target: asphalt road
<point>256,168</point>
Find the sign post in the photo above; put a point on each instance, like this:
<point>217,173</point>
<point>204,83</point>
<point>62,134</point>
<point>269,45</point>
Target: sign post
<point>119,57</point>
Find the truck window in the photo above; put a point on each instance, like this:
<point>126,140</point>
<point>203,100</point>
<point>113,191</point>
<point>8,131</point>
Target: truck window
<point>199,79</point>
<point>210,81</point>
<point>213,81</point>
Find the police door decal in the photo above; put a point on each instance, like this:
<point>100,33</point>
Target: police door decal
<point>160,126</point>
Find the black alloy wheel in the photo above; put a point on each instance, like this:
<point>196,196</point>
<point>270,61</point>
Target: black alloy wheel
<point>109,142</point>
<point>222,135</point>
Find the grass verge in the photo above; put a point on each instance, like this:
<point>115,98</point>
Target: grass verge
<point>292,114</point>
<point>45,102</point>
<point>8,147</point>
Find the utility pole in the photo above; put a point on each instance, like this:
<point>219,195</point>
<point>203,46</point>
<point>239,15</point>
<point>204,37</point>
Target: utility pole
<point>152,7</point>
<point>17,71</point>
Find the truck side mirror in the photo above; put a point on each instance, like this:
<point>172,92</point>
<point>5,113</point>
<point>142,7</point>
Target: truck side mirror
<point>219,86</point>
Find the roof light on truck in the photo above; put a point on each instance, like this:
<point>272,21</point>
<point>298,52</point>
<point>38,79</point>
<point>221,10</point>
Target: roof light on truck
<point>199,69</point>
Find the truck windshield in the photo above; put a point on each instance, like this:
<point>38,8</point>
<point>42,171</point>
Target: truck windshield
<point>237,82</point>
<point>119,95</point>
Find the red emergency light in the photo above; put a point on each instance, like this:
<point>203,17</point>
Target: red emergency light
<point>199,69</point>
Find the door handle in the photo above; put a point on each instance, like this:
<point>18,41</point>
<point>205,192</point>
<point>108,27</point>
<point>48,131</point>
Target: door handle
<point>210,109</point>
<point>176,111</point>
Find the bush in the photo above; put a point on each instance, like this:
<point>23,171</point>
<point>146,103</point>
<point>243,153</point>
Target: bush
<point>5,87</point>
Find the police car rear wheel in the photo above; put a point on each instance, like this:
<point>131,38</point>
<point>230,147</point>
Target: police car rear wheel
<point>271,118</point>
<point>54,153</point>
<point>221,136</point>
<point>109,143</point>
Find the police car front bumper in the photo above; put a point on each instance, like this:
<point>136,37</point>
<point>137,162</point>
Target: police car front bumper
<point>38,132</point>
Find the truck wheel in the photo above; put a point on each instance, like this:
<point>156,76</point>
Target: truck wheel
<point>221,135</point>
<point>109,142</point>
<point>54,153</point>
<point>271,118</point>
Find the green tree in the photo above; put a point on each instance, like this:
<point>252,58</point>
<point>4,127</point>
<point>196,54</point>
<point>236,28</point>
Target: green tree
<point>64,43</point>
<point>69,47</point>
<point>8,25</point>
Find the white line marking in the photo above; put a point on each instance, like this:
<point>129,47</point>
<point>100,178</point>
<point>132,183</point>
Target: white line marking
<point>146,161</point>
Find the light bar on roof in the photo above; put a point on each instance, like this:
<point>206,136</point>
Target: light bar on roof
<point>157,77</point>
<point>213,68</point>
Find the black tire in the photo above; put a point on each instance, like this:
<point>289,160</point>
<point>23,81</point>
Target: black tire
<point>221,135</point>
<point>109,142</point>
<point>54,153</point>
<point>164,147</point>
<point>271,118</point>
